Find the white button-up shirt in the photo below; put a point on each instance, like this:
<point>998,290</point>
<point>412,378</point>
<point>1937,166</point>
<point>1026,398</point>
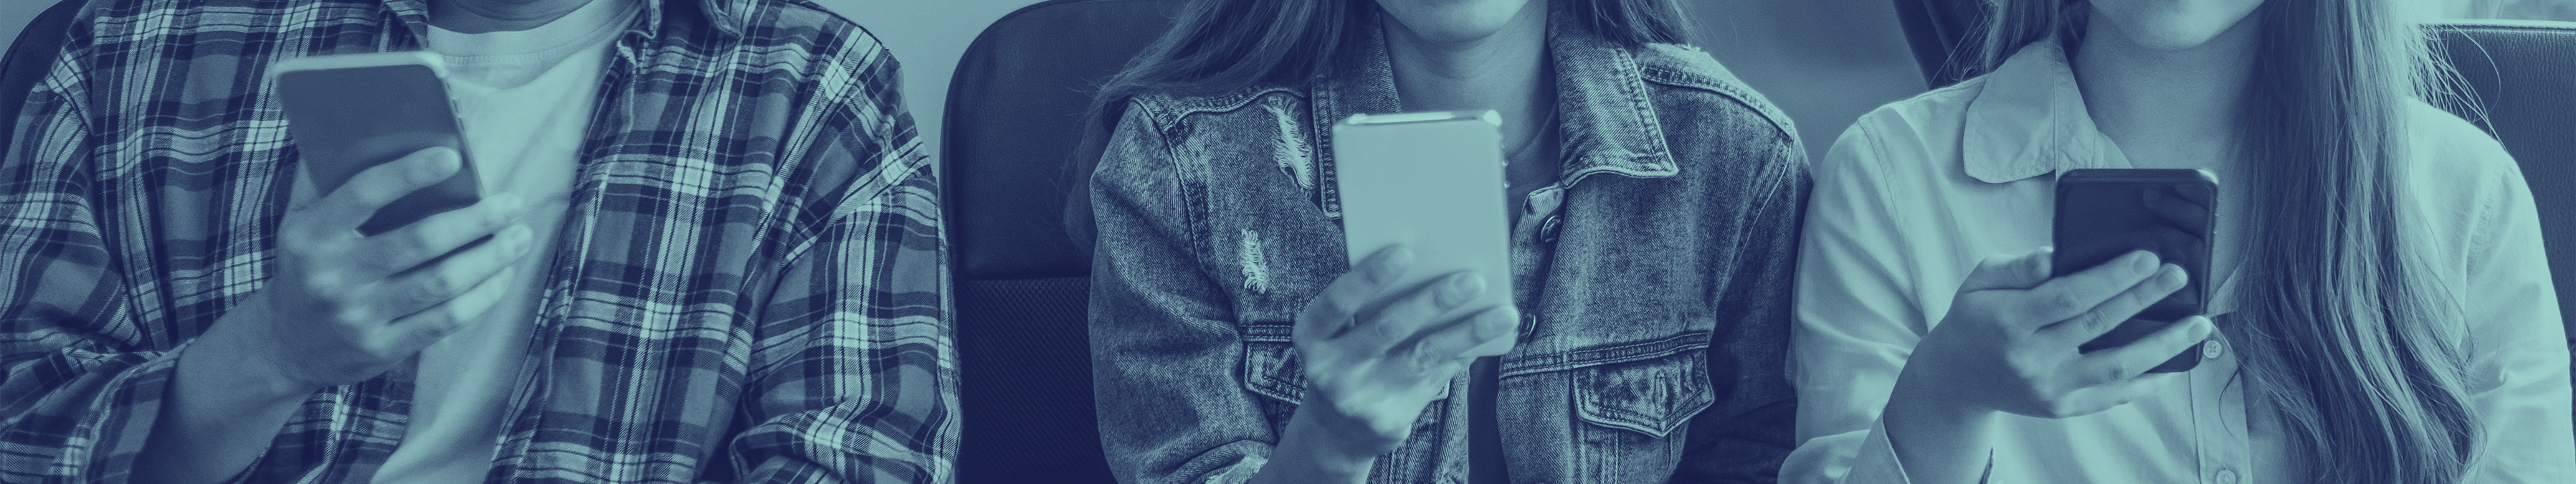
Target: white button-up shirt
<point>1917,193</point>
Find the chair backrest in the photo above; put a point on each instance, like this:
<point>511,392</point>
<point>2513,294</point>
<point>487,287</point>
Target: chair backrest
<point>1014,119</point>
<point>29,58</point>
<point>1938,31</point>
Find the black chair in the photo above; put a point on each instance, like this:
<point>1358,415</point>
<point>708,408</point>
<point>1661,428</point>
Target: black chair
<point>1939,32</point>
<point>29,58</point>
<point>1015,110</point>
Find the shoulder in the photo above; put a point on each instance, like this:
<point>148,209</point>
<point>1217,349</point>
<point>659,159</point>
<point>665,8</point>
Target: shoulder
<point>2452,166</point>
<point>1251,107</point>
<point>778,33</point>
<point>1915,134</point>
<point>1689,74</point>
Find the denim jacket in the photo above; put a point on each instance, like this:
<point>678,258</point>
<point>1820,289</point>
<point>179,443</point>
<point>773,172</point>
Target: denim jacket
<point>1654,276</point>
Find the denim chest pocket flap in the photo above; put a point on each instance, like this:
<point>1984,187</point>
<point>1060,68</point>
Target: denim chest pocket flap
<point>1651,396</point>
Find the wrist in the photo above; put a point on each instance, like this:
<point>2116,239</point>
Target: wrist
<point>1308,442</point>
<point>244,361</point>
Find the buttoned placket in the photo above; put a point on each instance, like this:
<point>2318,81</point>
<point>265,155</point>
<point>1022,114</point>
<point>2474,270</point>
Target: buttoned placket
<point>2219,425</point>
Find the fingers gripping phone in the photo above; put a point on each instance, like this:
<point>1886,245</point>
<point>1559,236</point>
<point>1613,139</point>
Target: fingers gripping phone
<point>352,112</point>
<point>2105,213</point>
<point>1433,182</point>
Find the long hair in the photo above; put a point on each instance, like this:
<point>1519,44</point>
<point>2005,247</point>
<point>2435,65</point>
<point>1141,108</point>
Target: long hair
<point>1217,46</point>
<point>2343,326</point>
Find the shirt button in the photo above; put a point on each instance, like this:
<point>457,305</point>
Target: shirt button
<point>2210,349</point>
<point>2226,476</point>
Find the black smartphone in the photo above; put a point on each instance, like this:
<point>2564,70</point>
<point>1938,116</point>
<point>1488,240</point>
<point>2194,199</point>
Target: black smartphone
<point>2103,213</point>
<point>352,112</point>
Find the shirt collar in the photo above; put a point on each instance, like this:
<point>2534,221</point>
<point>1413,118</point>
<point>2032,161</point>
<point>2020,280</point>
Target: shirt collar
<point>1605,122</point>
<point>414,15</point>
<point>2029,120</point>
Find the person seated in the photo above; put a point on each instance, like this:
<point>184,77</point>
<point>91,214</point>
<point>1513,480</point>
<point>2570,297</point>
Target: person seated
<point>713,254</point>
<point>1651,207</point>
<point>2378,306</point>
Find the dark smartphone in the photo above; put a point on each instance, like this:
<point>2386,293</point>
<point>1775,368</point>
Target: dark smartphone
<point>352,112</point>
<point>2103,213</point>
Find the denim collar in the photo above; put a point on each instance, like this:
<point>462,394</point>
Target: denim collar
<point>413,15</point>
<point>1606,121</point>
<point>2030,120</point>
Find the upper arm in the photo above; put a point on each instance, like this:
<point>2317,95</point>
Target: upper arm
<point>1164,344</point>
<point>2518,354</point>
<point>1855,320</point>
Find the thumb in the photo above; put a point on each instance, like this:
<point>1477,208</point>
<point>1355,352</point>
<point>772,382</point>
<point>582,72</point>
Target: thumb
<point>2001,272</point>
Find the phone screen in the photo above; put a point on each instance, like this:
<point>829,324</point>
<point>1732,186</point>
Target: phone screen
<point>1433,182</point>
<point>348,113</point>
<point>2105,213</point>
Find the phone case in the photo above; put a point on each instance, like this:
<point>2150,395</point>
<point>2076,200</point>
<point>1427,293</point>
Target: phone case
<point>1433,182</point>
<point>2103,213</point>
<point>348,113</point>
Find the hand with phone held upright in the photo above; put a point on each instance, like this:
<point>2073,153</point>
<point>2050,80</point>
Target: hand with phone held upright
<point>1374,355</point>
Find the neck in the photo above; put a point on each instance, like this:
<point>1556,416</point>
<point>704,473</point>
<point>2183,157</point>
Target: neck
<point>1507,72</point>
<point>2167,108</point>
<point>482,16</point>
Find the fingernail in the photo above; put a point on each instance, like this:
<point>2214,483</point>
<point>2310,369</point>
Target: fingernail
<point>1397,259</point>
<point>2171,276</point>
<point>1460,288</point>
<point>510,202</point>
<point>2201,327</point>
<point>2142,261</point>
<point>1498,322</point>
<point>442,163</point>
<point>517,236</point>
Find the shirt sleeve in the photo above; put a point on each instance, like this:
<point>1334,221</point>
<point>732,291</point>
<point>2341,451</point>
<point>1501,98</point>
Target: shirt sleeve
<point>854,370</point>
<point>1856,321</point>
<point>80,379</point>
<point>2518,363</point>
<point>1744,436</point>
<point>1172,405</point>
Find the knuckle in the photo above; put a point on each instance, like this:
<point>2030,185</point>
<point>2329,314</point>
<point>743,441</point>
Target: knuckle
<point>2061,302</point>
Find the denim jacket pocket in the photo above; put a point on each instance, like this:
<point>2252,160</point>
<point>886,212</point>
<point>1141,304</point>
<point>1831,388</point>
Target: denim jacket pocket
<point>1651,397</point>
<point>1270,366</point>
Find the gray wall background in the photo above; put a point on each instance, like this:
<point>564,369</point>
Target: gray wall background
<point>1826,62</point>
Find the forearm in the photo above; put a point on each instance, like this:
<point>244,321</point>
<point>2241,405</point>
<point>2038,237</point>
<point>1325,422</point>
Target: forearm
<point>221,413</point>
<point>1936,440</point>
<point>1304,456</point>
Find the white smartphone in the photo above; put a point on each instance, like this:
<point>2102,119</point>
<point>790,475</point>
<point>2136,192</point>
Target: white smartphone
<point>351,112</point>
<point>1433,182</point>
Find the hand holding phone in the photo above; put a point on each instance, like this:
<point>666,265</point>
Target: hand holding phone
<point>383,249</point>
<point>2103,213</point>
<point>348,113</point>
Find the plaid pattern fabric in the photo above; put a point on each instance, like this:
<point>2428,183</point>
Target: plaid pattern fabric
<point>750,286</point>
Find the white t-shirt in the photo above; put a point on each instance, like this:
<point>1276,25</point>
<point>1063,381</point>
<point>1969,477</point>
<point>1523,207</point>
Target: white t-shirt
<point>526,99</point>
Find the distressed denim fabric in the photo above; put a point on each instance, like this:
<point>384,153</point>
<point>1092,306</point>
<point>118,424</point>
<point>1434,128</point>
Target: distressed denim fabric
<point>1655,276</point>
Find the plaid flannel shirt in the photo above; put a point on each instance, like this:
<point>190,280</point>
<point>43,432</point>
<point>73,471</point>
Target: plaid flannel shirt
<point>750,284</point>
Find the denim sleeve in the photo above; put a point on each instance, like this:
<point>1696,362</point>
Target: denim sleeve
<point>1165,355</point>
<point>1743,437</point>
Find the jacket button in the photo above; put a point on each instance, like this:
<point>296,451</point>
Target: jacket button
<point>1547,229</point>
<point>1529,326</point>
